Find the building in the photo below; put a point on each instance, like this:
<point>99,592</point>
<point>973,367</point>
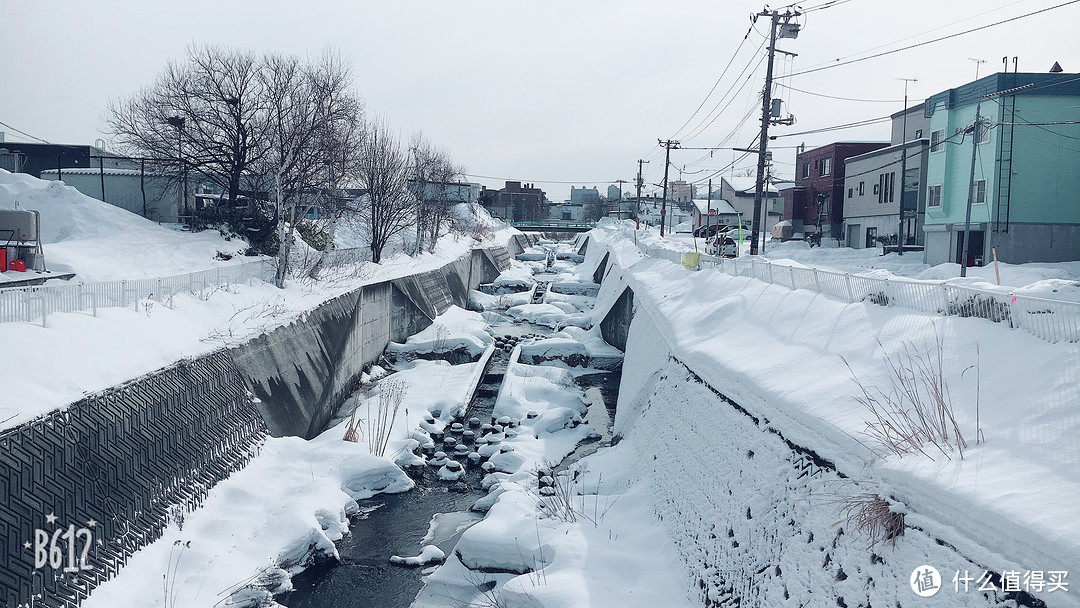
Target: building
<point>1026,187</point>
<point>155,196</point>
<point>874,191</point>
<point>725,213</point>
<point>451,192</point>
<point>516,202</point>
<point>816,202</point>
<point>739,192</point>
<point>679,191</point>
<point>614,193</point>
<point>584,195</point>
<point>32,159</point>
<point>567,211</point>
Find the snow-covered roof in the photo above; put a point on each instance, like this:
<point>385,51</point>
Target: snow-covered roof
<point>722,207</point>
<point>746,183</point>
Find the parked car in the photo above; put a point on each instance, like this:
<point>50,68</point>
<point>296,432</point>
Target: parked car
<point>723,246</point>
<point>707,231</point>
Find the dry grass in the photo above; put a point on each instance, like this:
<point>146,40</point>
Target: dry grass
<point>381,421</point>
<point>868,514</point>
<point>916,411</point>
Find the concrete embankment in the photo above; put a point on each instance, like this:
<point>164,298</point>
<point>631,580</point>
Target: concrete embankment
<point>122,457</point>
<point>753,493</point>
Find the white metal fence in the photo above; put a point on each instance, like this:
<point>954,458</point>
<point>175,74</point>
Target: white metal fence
<point>1051,320</point>
<point>38,302</point>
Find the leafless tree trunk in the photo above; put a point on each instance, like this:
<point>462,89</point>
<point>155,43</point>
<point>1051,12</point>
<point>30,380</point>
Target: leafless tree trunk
<point>340,134</point>
<point>384,174</point>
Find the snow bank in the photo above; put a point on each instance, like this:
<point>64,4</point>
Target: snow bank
<point>100,242</point>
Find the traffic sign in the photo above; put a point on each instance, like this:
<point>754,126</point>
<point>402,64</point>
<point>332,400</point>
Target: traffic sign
<point>712,212</point>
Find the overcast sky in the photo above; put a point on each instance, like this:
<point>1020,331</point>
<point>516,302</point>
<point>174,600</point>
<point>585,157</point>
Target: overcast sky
<point>572,91</point>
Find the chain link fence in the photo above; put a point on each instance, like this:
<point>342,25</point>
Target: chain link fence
<point>1050,320</point>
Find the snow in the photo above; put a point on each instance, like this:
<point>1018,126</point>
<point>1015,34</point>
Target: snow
<point>79,353</point>
<point>430,554</point>
<point>102,242</point>
<point>1010,502</point>
<point>635,529</point>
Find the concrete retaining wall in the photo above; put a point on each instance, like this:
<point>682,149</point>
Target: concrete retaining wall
<point>115,462</point>
<point>112,464</point>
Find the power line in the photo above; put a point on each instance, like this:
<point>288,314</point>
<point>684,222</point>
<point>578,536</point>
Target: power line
<point>541,181</point>
<point>717,83</point>
<point>791,88</point>
<point>918,44</point>
<point>25,133</point>
<point>849,125</point>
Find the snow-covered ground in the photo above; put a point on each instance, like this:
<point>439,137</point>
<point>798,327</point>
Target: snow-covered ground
<point>79,353</point>
<point>1011,502</point>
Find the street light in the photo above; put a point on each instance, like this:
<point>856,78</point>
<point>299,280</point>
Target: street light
<point>178,122</point>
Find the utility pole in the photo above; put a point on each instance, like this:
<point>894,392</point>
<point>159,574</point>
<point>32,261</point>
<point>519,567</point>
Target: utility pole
<point>903,172</point>
<point>620,182</point>
<point>788,30</point>
<point>668,145</point>
<point>965,240</point>
<point>637,201</point>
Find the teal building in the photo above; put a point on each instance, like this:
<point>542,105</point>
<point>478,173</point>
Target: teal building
<point>1026,189</point>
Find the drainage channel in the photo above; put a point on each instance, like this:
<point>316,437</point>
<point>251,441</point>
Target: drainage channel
<point>434,512</point>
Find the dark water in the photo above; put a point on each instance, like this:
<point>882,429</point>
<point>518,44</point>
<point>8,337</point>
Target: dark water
<point>396,524</point>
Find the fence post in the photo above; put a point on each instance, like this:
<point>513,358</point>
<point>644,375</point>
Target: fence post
<point>851,292</point>
<point>817,282</point>
<point>792,272</point>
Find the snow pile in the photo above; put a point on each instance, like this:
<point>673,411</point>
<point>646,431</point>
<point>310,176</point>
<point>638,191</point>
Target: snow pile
<point>1008,504</point>
<point>455,330</point>
<point>100,242</point>
<point>289,505</point>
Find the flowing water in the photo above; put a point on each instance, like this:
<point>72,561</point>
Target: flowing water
<point>434,512</point>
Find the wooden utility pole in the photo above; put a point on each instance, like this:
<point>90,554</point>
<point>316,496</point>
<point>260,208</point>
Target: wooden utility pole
<point>788,30</point>
<point>900,237</point>
<point>668,145</point>
<point>637,201</point>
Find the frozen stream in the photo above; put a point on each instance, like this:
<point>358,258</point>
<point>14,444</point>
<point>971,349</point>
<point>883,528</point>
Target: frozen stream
<point>434,512</point>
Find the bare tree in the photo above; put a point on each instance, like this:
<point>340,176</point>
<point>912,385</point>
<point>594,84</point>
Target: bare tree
<point>383,172</point>
<point>294,159</point>
<point>340,132</point>
<point>432,185</point>
<point>209,108</point>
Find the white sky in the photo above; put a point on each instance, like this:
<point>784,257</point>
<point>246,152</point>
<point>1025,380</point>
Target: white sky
<point>554,91</point>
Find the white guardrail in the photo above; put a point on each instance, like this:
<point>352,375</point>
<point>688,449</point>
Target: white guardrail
<point>38,302</point>
<point>1050,320</point>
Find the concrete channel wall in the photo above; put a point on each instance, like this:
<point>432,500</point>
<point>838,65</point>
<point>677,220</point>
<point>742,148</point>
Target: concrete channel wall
<point>752,511</point>
<point>114,463</point>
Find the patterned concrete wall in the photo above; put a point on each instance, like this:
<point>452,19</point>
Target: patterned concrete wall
<point>109,466</point>
<point>754,515</point>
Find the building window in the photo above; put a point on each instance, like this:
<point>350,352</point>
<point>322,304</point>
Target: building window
<point>937,140</point>
<point>918,134</point>
<point>982,131</point>
<point>980,192</point>
<point>826,166</point>
<point>890,184</point>
<point>877,190</point>
<point>933,196</point>
<point>850,192</point>
<point>862,189</point>
<point>806,170</point>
